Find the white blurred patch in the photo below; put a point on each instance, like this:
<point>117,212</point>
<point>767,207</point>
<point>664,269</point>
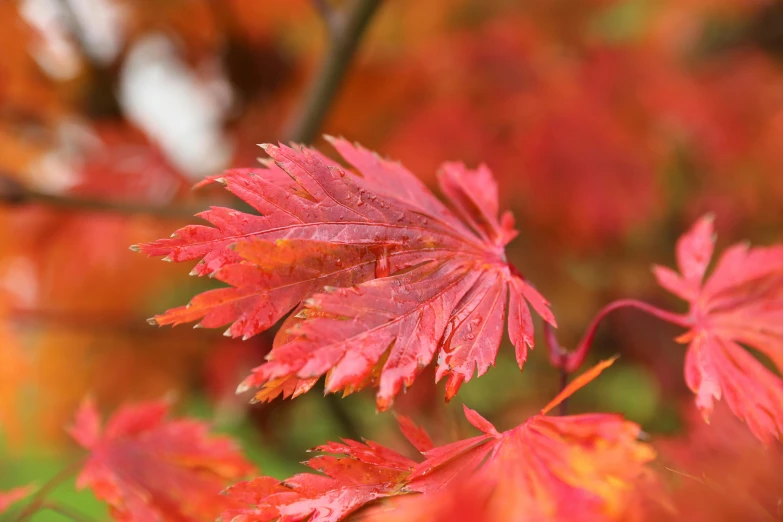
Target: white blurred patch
<point>176,110</point>
<point>101,27</point>
<point>55,51</point>
<point>59,169</point>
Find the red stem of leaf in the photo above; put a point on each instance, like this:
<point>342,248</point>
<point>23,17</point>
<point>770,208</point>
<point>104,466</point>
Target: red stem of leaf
<point>557,354</point>
<point>573,360</point>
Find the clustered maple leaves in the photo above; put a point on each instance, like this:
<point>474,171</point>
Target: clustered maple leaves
<point>382,275</point>
<point>525,473</point>
<point>376,277</point>
<point>580,467</point>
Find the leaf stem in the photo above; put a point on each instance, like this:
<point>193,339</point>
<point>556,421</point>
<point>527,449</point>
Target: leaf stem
<point>345,30</point>
<point>14,193</point>
<point>569,362</point>
<point>38,500</point>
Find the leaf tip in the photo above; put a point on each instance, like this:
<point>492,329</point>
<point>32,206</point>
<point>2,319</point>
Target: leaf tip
<point>135,248</point>
<point>152,321</point>
<point>582,380</point>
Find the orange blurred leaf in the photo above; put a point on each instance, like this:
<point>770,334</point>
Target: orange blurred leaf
<point>149,468</point>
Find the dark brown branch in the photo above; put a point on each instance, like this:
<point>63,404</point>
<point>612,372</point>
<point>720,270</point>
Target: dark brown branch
<point>558,357</point>
<point>14,193</point>
<point>563,408</point>
<point>328,14</point>
<point>345,33</point>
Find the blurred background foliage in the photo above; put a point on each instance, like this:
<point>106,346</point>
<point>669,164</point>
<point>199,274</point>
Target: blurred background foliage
<point>610,124</point>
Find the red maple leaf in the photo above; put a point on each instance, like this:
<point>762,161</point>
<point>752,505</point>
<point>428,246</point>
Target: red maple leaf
<point>7,498</point>
<point>740,302</point>
<point>405,276</point>
<point>582,467</point>
<point>151,470</point>
<point>367,472</point>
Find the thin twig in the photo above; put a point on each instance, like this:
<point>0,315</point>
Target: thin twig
<point>330,16</point>
<point>343,42</point>
<point>38,500</point>
<point>558,357</point>
<point>563,408</point>
<point>14,193</point>
<point>66,511</point>
<point>349,426</point>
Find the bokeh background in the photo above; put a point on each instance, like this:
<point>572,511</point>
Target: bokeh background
<point>610,124</point>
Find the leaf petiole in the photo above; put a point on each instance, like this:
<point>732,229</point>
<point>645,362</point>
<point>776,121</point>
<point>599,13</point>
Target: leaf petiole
<point>569,362</point>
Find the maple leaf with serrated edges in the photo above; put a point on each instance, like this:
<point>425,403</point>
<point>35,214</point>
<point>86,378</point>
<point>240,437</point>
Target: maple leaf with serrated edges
<point>149,469</point>
<point>12,496</point>
<point>384,274</point>
<point>740,303</point>
<point>582,467</point>
<point>365,473</point>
